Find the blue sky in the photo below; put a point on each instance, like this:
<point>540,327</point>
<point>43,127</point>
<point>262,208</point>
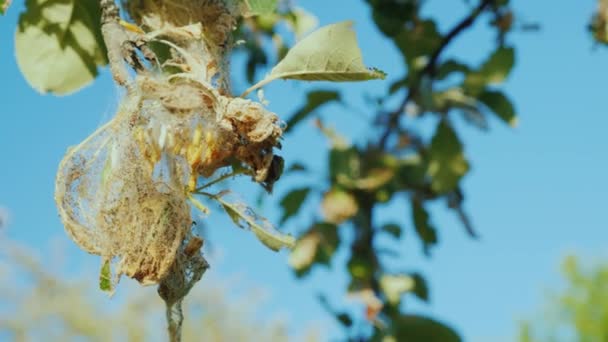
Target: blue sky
<point>535,193</point>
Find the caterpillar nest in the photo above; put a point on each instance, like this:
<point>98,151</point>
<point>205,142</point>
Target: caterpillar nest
<point>122,193</point>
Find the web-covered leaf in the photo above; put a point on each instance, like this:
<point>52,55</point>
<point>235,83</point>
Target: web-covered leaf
<point>243,216</point>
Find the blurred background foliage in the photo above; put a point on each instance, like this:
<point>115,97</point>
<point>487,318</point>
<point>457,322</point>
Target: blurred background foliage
<point>579,312</point>
<point>42,304</point>
<point>394,163</point>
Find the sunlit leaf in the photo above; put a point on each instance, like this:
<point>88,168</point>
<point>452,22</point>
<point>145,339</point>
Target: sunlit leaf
<point>261,7</point>
<point>292,202</point>
<point>500,105</point>
<point>304,252</point>
<point>447,163</point>
<point>338,206</point>
<point>59,51</point>
<point>317,246</point>
<point>331,53</point>
<point>426,232</point>
<point>243,216</point>
<point>314,100</point>
<point>394,285</point>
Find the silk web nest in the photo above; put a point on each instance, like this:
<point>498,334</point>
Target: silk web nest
<point>123,192</point>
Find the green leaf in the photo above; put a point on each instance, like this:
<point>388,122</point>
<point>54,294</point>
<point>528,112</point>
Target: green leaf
<point>447,163</point>
<point>391,16</point>
<point>494,71</point>
<point>421,40</point>
<point>314,100</point>
<point>105,277</point>
<point>297,167</point>
<point>419,328</point>
<point>498,103</point>
<point>292,202</point>
<point>455,98</point>
<point>244,217</point>
<point>421,289</point>
<point>393,229</point>
<point>426,232</point>
<point>499,65</point>
<point>261,7</point>
<point>451,66</point>
<point>58,45</point>
<point>344,164</point>
<point>331,53</point>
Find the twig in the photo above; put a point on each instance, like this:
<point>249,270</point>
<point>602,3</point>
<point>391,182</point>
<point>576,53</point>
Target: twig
<point>175,318</point>
<point>122,43</point>
<point>114,37</point>
<point>430,68</point>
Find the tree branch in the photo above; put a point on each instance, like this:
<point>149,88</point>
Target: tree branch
<point>114,36</point>
<point>430,68</point>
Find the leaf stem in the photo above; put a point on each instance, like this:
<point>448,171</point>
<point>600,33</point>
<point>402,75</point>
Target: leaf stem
<point>260,84</point>
<point>219,179</point>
